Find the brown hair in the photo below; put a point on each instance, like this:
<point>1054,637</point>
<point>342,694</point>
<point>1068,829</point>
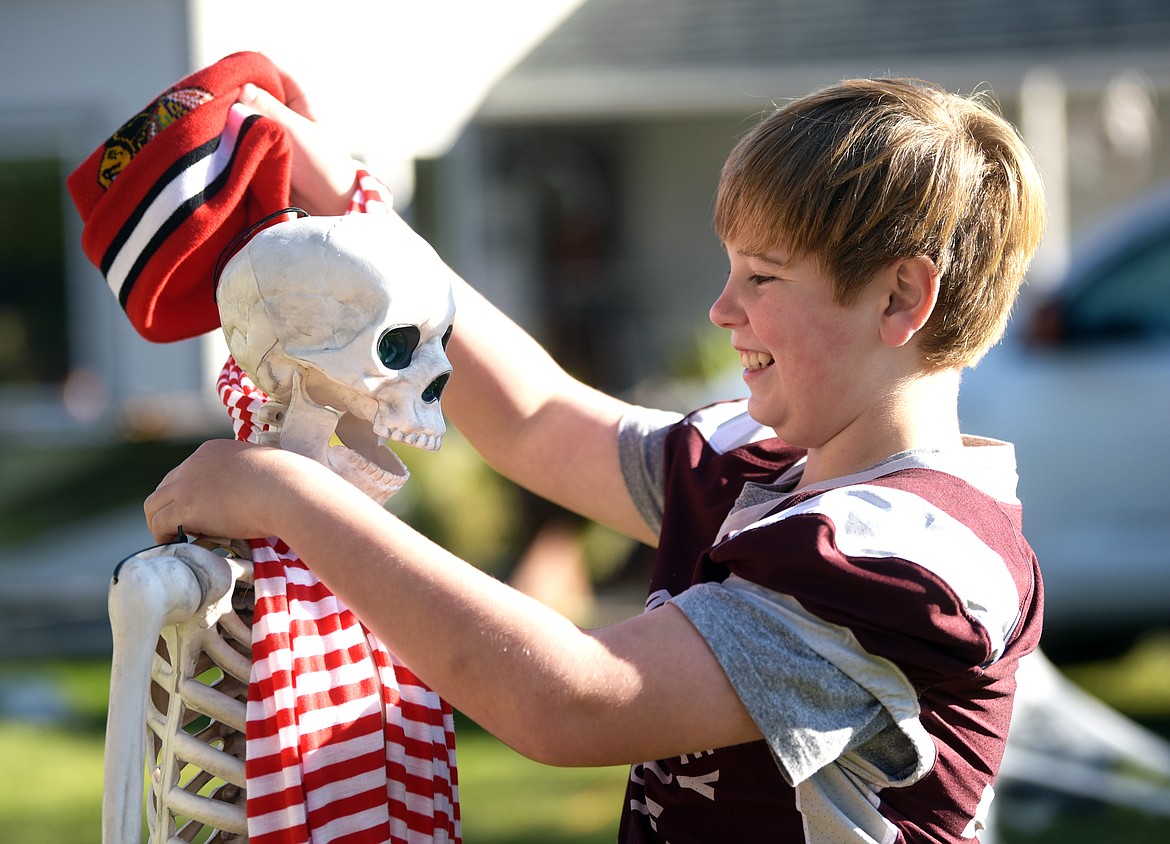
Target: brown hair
<point>869,171</point>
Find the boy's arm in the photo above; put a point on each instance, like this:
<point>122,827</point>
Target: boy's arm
<point>644,689</point>
<point>532,421</point>
<point>525,415</point>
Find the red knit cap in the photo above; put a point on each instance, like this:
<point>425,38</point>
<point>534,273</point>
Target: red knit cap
<point>170,189</point>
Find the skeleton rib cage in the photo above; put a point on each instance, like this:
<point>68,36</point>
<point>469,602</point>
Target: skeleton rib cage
<point>181,618</point>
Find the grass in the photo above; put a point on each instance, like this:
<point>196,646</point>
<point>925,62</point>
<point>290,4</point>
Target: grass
<point>507,799</point>
<point>51,772</point>
<point>51,784</point>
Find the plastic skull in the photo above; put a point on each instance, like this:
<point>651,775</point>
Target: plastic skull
<point>344,322</point>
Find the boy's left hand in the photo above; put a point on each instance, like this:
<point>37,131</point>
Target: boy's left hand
<point>323,170</point>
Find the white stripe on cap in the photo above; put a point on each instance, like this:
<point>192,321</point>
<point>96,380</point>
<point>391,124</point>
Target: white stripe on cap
<point>185,185</point>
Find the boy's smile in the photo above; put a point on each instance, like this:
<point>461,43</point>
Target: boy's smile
<point>755,360</point>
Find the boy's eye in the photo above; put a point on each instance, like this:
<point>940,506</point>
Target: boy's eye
<point>756,278</point>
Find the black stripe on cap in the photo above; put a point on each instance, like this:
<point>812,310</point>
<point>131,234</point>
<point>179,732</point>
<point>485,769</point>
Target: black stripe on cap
<point>182,213</point>
<point>186,160</point>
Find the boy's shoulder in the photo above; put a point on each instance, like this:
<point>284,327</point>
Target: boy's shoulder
<point>856,552</point>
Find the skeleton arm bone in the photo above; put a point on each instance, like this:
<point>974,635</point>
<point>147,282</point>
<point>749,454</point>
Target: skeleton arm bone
<point>644,689</point>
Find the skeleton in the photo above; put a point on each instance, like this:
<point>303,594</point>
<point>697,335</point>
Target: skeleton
<point>343,322</point>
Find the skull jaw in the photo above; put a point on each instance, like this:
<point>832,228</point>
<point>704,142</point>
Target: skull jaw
<point>364,461</point>
<point>372,478</point>
<point>361,460</point>
<point>395,412</point>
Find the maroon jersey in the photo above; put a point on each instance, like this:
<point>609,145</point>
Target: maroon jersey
<point>871,626</point>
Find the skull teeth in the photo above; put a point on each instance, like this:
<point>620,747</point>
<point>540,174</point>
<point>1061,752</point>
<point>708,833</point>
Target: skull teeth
<point>427,442</point>
<point>380,483</point>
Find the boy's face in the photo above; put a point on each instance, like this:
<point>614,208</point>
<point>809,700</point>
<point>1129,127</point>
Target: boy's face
<point>807,360</point>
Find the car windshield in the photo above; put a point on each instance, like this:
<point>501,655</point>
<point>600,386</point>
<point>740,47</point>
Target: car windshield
<point>1131,301</point>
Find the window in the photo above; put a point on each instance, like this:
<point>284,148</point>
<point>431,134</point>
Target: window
<point>33,335</point>
<point>1130,300</point>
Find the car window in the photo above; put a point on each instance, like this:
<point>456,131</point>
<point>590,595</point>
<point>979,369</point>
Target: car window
<point>1129,300</point>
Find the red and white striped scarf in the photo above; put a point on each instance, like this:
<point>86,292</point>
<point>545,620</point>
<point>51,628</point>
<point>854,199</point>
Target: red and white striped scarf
<point>344,743</point>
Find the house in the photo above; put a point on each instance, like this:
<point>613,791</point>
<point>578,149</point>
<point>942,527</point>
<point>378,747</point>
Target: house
<point>579,194</point>
<point>72,71</point>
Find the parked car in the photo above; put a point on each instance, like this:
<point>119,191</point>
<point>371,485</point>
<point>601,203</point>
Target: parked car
<point>1081,385</point>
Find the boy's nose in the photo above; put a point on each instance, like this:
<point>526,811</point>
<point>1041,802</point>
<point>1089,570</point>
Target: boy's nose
<point>723,309</point>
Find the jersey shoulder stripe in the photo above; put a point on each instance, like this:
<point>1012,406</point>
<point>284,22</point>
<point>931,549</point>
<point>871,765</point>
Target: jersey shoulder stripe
<point>726,426</point>
<point>875,522</point>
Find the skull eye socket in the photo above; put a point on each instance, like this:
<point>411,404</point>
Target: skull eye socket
<point>396,346</point>
<point>447,335</point>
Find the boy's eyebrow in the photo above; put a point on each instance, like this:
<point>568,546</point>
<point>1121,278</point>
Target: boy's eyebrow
<point>776,261</point>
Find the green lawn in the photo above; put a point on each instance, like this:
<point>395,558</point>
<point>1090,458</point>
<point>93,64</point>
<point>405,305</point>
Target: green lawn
<point>50,785</point>
<point>52,795</point>
<point>50,773</point>
<point>507,799</point>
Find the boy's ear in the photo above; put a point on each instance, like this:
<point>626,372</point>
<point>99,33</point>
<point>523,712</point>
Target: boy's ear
<point>911,291</point>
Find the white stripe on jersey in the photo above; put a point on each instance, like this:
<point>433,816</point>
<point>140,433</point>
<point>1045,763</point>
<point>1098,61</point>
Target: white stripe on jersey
<point>727,426</point>
<point>873,521</point>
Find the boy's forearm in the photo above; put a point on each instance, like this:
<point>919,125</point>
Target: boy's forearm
<point>502,658</point>
<point>552,691</point>
<point>642,689</point>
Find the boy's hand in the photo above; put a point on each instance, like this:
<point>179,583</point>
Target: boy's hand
<point>233,489</point>
<point>323,170</point>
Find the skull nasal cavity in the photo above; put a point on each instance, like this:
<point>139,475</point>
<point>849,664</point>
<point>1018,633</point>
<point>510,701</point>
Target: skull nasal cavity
<point>434,390</point>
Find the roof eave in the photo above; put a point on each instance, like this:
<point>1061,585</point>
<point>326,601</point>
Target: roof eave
<point>594,93</point>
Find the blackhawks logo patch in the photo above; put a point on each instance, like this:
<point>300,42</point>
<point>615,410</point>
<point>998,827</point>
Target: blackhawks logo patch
<point>136,132</point>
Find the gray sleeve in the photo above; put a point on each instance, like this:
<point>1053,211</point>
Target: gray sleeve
<point>811,713</point>
<point>641,438</point>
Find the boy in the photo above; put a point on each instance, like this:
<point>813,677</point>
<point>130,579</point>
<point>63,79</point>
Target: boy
<point>841,592</point>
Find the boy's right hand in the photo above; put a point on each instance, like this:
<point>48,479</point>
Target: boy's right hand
<point>323,170</point>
